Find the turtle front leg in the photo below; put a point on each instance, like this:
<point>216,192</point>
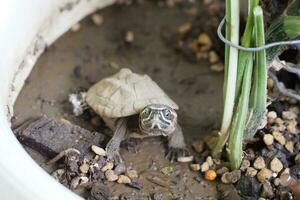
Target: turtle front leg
<point>113,146</point>
<point>176,145</point>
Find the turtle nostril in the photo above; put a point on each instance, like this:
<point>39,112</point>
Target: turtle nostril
<point>155,126</point>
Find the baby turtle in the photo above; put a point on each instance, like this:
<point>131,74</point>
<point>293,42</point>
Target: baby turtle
<point>133,105</point>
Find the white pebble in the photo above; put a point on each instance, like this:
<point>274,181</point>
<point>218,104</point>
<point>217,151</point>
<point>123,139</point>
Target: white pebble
<point>98,150</point>
<point>185,159</point>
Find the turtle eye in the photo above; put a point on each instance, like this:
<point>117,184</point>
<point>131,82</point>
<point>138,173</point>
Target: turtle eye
<point>167,113</point>
<point>145,113</point>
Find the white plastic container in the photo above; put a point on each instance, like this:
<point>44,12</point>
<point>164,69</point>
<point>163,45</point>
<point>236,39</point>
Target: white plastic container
<point>26,28</point>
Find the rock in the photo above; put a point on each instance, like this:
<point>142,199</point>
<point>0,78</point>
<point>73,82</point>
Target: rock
<point>248,186</point>
<point>50,136</point>
<point>249,154</point>
<point>218,67</point>
<point>132,174</point>
<point>204,39</point>
<point>276,181</point>
<point>292,127</point>
<point>289,145</point>
<point>210,161</point>
<point>288,115</point>
<point>297,159</point>
<point>231,177</point>
<point>76,27</point>
<point>198,146</point>
<point>204,167</point>
<point>210,175</point>
<point>183,29</point>
<point>107,166</point>
<point>84,168</point>
<point>245,164</point>
<point>278,137</point>
<point>267,190</point>
<point>98,150</point>
<point>185,159</point>
<point>251,172</point>
<point>77,181</point>
<point>195,167</point>
<point>268,139</point>
<point>259,163</point>
<point>276,165</point>
<point>129,37</point>
<point>264,175</point>
<point>213,57</point>
<point>271,116</point>
<point>124,179</point>
<point>111,176</point>
<point>222,170</point>
<point>58,174</point>
<point>97,19</point>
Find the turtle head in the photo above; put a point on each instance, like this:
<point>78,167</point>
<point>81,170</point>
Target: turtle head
<point>157,119</point>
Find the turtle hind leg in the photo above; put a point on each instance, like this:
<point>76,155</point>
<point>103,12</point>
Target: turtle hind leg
<point>176,145</point>
<point>113,146</point>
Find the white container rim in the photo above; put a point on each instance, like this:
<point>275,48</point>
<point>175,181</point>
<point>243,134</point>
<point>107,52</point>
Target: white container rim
<point>26,29</point>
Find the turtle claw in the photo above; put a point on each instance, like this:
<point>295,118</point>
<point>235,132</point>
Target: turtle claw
<point>174,153</point>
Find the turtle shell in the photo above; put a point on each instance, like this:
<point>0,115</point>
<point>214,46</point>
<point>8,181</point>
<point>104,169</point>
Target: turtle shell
<point>125,93</point>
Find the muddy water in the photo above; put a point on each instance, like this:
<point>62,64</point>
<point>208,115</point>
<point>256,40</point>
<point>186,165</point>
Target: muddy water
<point>78,59</point>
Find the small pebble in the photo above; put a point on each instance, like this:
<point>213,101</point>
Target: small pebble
<point>58,174</point>
<point>204,39</point>
<point>210,161</point>
<point>231,177</point>
<point>75,27</point>
<point>107,166</point>
<point>195,167</point>
<point>268,139</point>
<point>278,137</point>
<point>259,163</point>
<point>245,165</point>
<point>222,170</point>
<point>185,159</point>
<point>285,171</point>
<point>111,176</point>
<point>213,57</point>
<point>210,175</point>
<point>84,168</point>
<point>264,175</point>
<point>251,172</point>
<point>271,116</point>
<point>129,37</point>
<point>132,174</point>
<point>218,67</point>
<point>124,179</point>
<point>297,159</point>
<point>289,145</point>
<point>267,190</point>
<point>183,29</point>
<point>288,115</point>
<point>276,165</point>
<point>98,150</point>
<point>97,19</point>
<point>276,181</point>
<point>204,167</point>
<point>292,127</point>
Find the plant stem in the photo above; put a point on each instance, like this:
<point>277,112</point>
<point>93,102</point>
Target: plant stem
<point>231,61</point>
